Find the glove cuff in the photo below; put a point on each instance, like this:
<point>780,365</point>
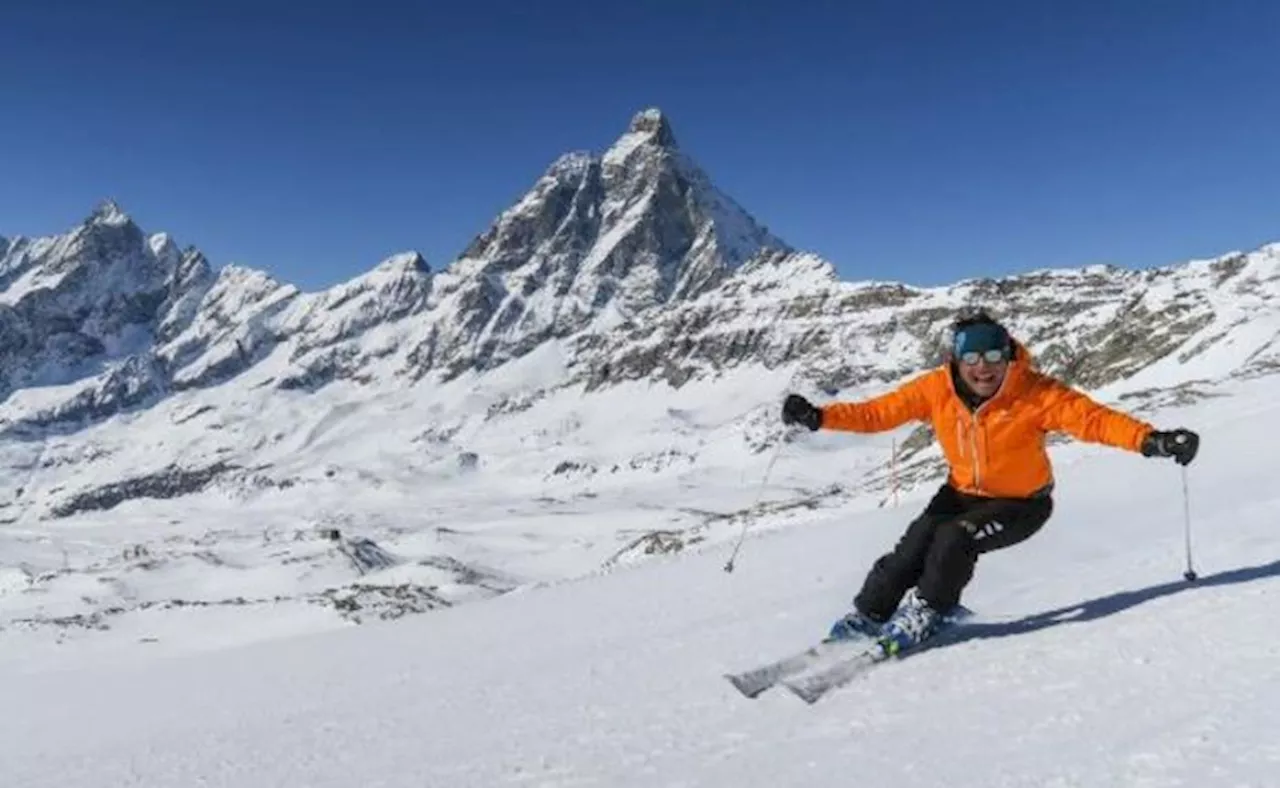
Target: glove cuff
<point>1153,445</point>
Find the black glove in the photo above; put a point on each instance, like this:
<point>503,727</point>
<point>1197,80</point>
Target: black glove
<point>797,410</point>
<point>1179,444</point>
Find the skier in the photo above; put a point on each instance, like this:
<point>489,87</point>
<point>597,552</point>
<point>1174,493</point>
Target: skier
<point>990,411</point>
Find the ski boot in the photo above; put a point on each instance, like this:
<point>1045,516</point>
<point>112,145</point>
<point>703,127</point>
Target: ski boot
<point>913,623</point>
<point>852,626</point>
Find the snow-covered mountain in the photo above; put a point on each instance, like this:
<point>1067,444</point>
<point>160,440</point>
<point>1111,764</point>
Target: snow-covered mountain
<point>105,292</point>
<point>561,398</point>
<point>596,238</point>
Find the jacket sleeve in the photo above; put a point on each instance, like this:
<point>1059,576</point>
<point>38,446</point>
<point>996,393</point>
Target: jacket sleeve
<point>908,402</point>
<point>1065,409</point>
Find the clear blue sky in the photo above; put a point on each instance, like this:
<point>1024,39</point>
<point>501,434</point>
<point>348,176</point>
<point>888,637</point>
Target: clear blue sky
<point>916,141</point>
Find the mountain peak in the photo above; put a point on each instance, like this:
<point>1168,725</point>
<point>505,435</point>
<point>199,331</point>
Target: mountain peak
<point>649,131</point>
<point>402,263</point>
<point>652,122</point>
<point>108,212</point>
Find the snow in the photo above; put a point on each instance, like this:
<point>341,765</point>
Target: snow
<point>1091,661</point>
<point>30,279</point>
<point>109,213</point>
<point>162,246</point>
<point>648,115</point>
<point>647,128</point>
<point>621,150</point>
<point>402,263</point>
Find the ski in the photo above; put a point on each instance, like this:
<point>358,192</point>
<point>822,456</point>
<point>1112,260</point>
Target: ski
<point>811,685</point>
<point>756,680</point>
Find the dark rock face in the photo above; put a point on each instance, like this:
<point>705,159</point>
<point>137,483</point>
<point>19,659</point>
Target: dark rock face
<point>171,482</point>
<point>1091,328</point>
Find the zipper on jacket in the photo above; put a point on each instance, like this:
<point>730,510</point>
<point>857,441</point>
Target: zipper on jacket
<point>973,442</point>
<point>977,464</point>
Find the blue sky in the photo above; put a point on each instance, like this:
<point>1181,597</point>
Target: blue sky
<point>916,141</point>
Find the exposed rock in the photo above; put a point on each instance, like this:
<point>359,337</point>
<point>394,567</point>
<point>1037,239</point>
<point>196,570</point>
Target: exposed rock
<point>170,482</point>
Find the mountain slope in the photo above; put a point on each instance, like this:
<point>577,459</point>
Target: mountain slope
<point>1092,663</point>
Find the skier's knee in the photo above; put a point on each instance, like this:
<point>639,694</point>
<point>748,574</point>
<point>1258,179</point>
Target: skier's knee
<point>960,536</point>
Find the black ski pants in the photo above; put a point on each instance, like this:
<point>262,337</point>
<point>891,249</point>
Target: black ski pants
<point>939,550</point>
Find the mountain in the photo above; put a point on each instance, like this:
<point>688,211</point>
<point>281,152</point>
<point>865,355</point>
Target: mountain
<point>103,291</point>
<point>596,238</point>
<point>564,397</point>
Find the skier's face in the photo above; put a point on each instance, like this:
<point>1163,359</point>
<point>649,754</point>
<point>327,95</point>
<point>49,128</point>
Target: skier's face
<point>981,374</point>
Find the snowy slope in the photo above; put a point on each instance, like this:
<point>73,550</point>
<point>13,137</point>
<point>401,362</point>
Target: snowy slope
<point>1092,663</point>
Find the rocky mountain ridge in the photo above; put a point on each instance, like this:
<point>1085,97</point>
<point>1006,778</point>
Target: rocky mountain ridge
<point>595,238</point>
<point>631,260</point>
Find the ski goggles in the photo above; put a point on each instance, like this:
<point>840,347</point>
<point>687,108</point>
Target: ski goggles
<point>992,356</point>
<point>982,342</point>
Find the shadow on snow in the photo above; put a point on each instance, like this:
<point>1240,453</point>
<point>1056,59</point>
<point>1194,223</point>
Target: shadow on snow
<point>1111,604</point>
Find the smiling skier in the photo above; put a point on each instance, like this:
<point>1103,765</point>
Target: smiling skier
<point>990,411</point>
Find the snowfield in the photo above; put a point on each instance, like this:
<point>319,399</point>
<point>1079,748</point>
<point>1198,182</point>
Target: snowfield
<point>1091,661</point>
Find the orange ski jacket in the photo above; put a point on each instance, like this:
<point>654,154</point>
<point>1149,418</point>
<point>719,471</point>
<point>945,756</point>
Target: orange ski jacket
<point>997,449</point>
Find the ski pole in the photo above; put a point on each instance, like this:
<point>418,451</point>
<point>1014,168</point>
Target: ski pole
<point>728,567</point>
<point>782,440</point>
<point>1190,574</point>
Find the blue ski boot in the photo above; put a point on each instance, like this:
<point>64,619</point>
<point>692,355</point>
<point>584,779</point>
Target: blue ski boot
<point>852,626</point>
<point>913,623</point>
